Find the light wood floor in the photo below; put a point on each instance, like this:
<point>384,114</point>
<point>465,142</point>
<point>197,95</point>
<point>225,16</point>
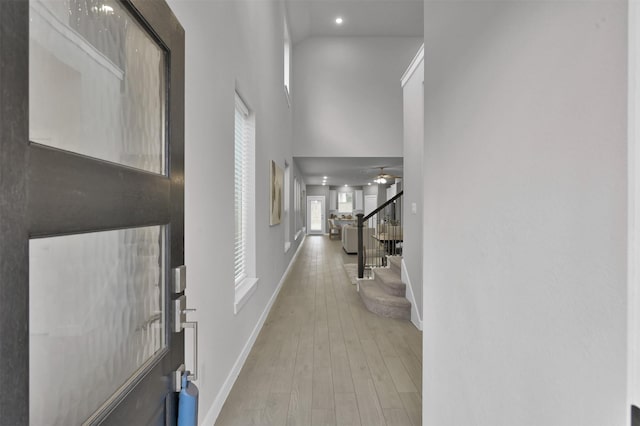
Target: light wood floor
<point>323,359</point>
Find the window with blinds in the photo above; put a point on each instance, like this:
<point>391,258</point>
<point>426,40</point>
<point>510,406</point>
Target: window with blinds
<point>244,193</point>
<point>287,59</point>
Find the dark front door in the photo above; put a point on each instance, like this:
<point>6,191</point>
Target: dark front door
<point>91,211</point>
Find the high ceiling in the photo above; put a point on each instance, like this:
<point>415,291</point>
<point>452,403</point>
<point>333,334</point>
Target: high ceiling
<point>361,18</point>
<point>352,171</point>
<point>370,18</point>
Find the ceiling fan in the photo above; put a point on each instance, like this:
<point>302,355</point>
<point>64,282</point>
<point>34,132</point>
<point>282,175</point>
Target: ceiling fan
<point>383,177</point>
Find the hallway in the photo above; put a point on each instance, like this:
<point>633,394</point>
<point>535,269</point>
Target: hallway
<point>323,359</point>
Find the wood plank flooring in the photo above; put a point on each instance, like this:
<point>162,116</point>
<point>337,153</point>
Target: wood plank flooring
<point>323,359</point>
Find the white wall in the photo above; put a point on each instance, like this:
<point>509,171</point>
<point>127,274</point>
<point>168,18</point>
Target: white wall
<point>229,44</point>
<point>347,98</point>
<point>413,118</point>
<point>525,213</point>
<point>370,190</point>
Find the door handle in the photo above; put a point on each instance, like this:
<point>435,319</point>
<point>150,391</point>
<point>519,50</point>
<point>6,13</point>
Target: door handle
<point>193,324</point>
<point>180,323</point>
<point>180,311</point>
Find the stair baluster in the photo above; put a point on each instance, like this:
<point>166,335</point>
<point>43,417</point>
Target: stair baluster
<point>382,237</point>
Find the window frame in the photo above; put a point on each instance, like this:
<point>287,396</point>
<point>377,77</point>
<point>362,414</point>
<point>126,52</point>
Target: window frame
<point>287,48</point>
<point>287,207</point>
<point>350,202</point>
<point>244,283</point>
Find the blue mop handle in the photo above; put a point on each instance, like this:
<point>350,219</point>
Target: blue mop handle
<point>188,403</point>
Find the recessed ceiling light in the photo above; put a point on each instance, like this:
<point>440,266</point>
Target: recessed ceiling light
<point>369,183</point>
<point>324,183</point>
<point>339,20</point>
<point>346,184</point>
<point>324,177</point>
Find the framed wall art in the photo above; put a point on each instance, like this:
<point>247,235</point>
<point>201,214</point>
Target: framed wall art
<point>277,185</point>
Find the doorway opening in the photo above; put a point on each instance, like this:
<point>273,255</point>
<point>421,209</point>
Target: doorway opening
<point>316,214</point>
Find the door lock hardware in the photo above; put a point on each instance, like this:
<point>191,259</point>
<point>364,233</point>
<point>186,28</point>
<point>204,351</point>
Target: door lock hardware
<point>179,313</point>
<point>179,279</point>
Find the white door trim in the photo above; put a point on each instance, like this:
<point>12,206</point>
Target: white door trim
<point>633,217</point>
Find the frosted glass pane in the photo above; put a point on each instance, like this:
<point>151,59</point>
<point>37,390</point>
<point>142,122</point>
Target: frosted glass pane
<point>96,316</point>
<point>96,83</point>
<point>316,215</point>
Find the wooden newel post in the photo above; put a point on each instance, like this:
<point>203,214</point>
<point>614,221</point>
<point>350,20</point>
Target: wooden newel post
<point>360,247</point>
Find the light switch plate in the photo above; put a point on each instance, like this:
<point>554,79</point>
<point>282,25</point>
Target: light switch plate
<point>414,208</point>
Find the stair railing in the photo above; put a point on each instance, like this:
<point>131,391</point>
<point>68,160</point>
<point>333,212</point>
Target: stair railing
<point>380,235</point>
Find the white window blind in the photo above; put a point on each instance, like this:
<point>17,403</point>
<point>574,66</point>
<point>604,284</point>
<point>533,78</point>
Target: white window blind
<point>296,206</point>
<point>244,165</point>
<point>287,57</point>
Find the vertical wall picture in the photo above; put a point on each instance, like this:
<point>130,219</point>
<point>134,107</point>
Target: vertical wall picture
<point>277,185</point>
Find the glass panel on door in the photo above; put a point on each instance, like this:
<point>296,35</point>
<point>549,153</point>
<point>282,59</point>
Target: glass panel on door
<point>84,298</point>
<point>96,318</point>
<point>96,83</point>
<point>316,216</point>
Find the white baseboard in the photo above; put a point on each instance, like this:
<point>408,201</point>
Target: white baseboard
<point>218,402</point>
<point>415,315</point>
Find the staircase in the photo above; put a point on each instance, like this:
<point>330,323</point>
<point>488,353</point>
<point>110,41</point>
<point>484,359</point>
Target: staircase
<point>385,294</point>
<point>380,235</point>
